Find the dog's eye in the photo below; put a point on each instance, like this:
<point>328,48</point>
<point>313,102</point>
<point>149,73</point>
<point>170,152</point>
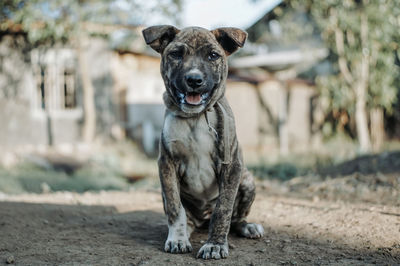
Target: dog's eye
<point>176,55</point>
<point>213,56</point>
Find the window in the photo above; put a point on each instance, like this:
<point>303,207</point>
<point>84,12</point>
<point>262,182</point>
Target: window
<point>56,80</point>
<point>69,89</point>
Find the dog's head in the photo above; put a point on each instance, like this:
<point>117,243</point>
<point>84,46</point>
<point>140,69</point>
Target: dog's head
<point>194,62</point>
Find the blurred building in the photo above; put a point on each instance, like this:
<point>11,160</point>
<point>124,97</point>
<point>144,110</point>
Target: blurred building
<point>41,92</point>
<point>138,88</point>
<point>279,64</point>
<point>39,102</point>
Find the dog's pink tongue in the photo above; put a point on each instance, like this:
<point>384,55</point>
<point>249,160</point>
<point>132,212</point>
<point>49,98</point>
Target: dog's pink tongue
<point>193,98</point>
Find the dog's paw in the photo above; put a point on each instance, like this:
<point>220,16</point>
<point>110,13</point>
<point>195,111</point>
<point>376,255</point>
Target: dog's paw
<point>177,246</point>
<point>213,251</point>
<point>252,230</point>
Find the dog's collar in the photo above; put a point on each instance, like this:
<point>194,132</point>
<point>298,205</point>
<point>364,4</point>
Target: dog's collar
<point>226,155</point>
<point>210,127</point>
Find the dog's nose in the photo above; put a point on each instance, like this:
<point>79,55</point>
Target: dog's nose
<point>194,79</point>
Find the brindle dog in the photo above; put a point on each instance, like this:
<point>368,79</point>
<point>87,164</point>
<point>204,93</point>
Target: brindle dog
<point>200,163</point>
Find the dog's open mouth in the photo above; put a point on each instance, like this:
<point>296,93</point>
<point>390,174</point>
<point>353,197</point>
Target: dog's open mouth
<point>193,98</point>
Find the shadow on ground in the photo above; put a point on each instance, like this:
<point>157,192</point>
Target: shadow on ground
<point>49,234</point>
<point>385,163</point>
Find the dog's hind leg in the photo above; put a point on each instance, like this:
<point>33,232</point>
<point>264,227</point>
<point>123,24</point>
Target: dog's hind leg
<point>244,200</point>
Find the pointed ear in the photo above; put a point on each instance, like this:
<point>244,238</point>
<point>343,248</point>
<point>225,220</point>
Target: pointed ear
<point>158,37</point>
<point>230,38</point>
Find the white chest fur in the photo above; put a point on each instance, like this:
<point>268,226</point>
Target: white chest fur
<point>193,146</point>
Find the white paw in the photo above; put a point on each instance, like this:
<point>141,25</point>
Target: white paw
<point>252,230</point>
<point>213,251</point>
<point>178,246</point>
<point>178,240</point>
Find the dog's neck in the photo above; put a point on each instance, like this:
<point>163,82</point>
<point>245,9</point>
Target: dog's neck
<point>222,136</point>
<point>173,106</point>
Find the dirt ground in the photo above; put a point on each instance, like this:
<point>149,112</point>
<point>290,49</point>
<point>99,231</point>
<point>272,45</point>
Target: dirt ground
<point>129,228</point>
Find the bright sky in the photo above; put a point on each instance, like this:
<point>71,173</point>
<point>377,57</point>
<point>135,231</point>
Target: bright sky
<point>217,13</point>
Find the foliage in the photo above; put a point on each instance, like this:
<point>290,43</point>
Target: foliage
<point>29,178</point>
<point>340,25</point>
<point>61,20</point>
<point>282,171</point>
<point>383,36</point>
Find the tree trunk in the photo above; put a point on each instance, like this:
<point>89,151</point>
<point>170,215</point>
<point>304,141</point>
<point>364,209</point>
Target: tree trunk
<point>377,128</point>
<point>362,120</point>
<point>361,91</point>
<point>283,121</point>
<point>89,125</point>
<point>358,82</point>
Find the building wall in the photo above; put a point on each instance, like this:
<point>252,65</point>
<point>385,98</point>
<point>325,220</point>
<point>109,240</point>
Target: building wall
<point>243,101</point>
<point>296,97</point>
<point>138,76</point>
<point>99,56</point>
<point>271,93</point>
<point>138,89</point>
<point>22,119</point>
<point>16,80</point>
<point>299,117</point>
<point>18,127</point>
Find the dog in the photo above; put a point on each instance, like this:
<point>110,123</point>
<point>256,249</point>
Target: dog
<point>203,179</point>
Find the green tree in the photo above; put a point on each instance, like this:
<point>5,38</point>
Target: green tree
<point>48,22</point>
<point>363,36</point>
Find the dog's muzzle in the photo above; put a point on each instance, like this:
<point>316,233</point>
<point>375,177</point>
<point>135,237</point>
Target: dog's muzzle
<point>194,80</point>
<point>196,91</point>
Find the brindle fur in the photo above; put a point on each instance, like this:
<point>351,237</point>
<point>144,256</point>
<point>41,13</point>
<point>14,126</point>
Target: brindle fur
<point>201,169</point>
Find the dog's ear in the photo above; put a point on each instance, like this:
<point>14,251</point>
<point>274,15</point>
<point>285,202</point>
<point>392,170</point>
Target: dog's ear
<point>230,38</point>
<point>158,37</point>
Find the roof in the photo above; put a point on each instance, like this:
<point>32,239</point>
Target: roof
<point>280,59</point>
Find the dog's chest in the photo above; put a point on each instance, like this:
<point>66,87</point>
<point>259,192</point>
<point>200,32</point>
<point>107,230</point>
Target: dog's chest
<point>193,146</point>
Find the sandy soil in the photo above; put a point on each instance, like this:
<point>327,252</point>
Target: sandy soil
<point>129,228</point>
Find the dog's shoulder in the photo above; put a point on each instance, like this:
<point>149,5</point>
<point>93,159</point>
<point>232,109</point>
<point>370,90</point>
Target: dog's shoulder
<point>174,127</point>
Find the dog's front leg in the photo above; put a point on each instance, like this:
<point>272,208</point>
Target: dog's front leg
<point>178,237</point>
<point>216,246</point>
